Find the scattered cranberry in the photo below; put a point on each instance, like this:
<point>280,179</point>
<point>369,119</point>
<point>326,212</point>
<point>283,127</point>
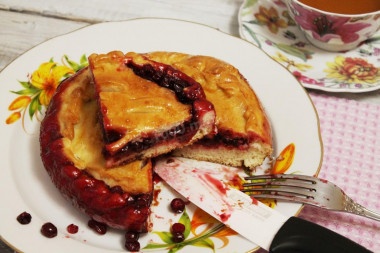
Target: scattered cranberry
<point>24,218</point>
<point>132,246</point>
<point>131,236</point>
<point>178,228</point>
<point>49,230</point>
<point>72,229</point>
<point>178,237</point>
<point>98,227</point>
<point>177,205</point>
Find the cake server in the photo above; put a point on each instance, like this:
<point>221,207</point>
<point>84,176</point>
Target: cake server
<point>202,184</point>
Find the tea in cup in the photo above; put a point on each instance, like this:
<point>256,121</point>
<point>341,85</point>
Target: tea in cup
<point>336,25</point>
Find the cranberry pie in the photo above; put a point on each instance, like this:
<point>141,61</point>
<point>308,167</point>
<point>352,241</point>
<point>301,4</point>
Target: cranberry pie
<point>71,149</point>
<point>147,108</point>
<point>244,133</point>
<point>105,122</point>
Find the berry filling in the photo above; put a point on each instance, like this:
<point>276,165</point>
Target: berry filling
<point>229,139</point>
<point>187,90</point>
<point>182,133</point>
<point>221,140</point>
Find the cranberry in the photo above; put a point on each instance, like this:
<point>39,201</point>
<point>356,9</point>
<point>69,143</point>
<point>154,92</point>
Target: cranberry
<point>116,189</point>
<point>132,246</point>
<point>98,227</point>
<point>113,135</point>
<point>129,199</point>
<point>72,229</point>
<point>24,218</point>
<point>49,230</point>
<point>178,237</point>
<point>177,205</point>
<point>140,202</point>
<point>143,201</point>
<point>178,228</point>
<point>71,172</point>
<point>131,236</point>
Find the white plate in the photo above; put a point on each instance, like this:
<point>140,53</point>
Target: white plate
<point>315,68</point>
<point>25,186</point>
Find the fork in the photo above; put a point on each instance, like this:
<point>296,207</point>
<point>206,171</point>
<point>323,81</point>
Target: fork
<point>307,190</point>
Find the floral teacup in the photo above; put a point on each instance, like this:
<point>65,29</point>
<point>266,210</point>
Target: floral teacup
<point>332,31</point>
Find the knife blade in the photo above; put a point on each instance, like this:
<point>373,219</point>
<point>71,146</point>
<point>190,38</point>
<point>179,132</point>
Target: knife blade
<point>203,185</point>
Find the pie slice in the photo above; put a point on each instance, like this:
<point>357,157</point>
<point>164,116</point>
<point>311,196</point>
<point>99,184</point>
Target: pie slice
<point>243,131</point>
<point>71,150</point>
<point>147,108</point>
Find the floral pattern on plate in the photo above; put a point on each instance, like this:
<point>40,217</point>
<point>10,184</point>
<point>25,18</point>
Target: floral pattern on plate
<point>268,25</point>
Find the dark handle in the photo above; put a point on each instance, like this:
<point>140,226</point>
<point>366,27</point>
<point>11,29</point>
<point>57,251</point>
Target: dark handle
<point>301,236</point>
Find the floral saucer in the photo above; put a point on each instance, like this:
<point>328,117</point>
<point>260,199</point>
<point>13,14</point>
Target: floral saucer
<point>268,25</point>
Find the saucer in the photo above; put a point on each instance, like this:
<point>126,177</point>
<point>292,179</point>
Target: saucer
<point>268,25</point>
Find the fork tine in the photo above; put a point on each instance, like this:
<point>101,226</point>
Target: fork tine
<point>271,184</point>
<point>285,198</point>
<point>281,190</point>
<point>284,176</point>
<point>282,184</point>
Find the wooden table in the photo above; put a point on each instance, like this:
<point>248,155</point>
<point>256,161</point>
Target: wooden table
<point>24,23</point>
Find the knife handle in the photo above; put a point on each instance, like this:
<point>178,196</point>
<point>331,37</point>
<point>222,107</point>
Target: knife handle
<point>298,235</point>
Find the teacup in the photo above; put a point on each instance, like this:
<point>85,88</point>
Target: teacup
<point>333,31</point>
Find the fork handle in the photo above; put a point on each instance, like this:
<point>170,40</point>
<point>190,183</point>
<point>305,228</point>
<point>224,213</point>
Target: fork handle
<point>353,207</point>
<point>301,236</point>
<point>370,214</point>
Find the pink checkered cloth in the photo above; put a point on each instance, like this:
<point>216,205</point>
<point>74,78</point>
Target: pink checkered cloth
<point>351,140</point>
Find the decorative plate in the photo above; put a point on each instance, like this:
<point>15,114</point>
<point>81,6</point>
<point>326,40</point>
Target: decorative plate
<point>268,25</point>
<point>33,77</point>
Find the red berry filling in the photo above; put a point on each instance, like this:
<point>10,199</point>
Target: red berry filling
<point>187,90</point>
<point>220,139</point>
<point>183,133</point>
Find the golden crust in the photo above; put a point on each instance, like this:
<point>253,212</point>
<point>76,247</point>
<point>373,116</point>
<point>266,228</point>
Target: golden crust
<point>132,105</point>
<point>83,143</point>
<point>236,104</point>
